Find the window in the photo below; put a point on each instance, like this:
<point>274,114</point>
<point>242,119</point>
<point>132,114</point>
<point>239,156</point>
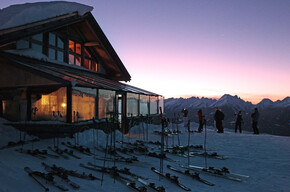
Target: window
<point>49,104</point>
<point>83,103</point>
<point>132,104</point>
<point>144,100</point>
<point>74,53</point>
<point>106,103</point>
<point>55,47</point>
<point>22,44</point>
<point>34,42</point>
<point>153,105</point>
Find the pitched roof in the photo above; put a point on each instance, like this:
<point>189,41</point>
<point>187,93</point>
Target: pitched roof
<point>75,76</point>
<point>77,15</point>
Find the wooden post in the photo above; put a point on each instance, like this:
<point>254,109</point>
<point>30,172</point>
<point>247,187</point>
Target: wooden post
<point>69,104</point>
<point>162,142</point>
<point>28,97</point>
<point>1,108</point>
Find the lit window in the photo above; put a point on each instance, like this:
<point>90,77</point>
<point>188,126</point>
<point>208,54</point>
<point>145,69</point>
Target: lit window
<point>78,48</point>
<point>71,46</point>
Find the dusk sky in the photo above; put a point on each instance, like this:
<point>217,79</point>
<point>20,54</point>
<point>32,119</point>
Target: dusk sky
<point>199,47</point>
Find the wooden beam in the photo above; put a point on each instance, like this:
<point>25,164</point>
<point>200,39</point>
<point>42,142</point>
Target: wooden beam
<point>91,44</point>
<point>69,104</point>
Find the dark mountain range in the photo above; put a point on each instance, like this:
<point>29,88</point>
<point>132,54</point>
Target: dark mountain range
<point>274,116</point>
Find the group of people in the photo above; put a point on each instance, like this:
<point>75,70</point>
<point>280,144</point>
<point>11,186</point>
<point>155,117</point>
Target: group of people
<point>219,117</point>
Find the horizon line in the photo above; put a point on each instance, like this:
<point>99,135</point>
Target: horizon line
<point>252,100</point>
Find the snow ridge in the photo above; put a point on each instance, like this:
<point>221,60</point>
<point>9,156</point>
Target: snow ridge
<point>21,14</point>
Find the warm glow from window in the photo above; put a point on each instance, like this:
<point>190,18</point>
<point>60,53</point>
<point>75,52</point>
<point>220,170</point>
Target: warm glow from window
<point>63,105</point>
<point>45,100</point>
<point>71,46</point>
<point>78,48</point>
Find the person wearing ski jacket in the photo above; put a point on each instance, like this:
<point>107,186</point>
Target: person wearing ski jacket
<point>239,122</point>
<point>255,118</point>
<point>184,112</point>
<point>200,119</point>
<point>219,117</point>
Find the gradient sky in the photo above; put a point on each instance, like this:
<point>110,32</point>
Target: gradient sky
<point>199,47</point>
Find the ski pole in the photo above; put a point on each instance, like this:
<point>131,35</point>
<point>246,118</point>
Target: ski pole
<point>205,153</point>
<point>31,175</point>
<point>188,124</point>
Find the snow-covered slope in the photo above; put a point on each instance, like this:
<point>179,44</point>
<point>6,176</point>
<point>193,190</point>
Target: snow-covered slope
<point>265,158</point>
<point>265,103</point>
<point>232,101</point>
<point>21,14</point>
<point>194,102</point>
<point>284,103</point>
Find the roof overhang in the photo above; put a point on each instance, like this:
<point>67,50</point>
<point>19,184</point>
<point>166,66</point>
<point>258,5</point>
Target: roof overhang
<point>92,32</point>
<point>71,76</point>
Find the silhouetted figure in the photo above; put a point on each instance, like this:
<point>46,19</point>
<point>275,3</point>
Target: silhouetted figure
<point>219,117</point>
<point>184,112</point>
<point>255,118</point>
<point>200,119</point>
<point>239,121</point>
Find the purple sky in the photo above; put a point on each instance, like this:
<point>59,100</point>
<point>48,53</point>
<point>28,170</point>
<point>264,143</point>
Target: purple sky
<point>198,47</point>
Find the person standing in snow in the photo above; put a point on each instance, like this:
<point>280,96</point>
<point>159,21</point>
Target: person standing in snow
<point>239,122</point>
<point>200,119</point>
<point>219,117</point>
<point>255,118</point>
<point>184,112</point>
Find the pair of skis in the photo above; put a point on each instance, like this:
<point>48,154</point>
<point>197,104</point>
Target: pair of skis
<point>73,173</point>
<point>48,178</point>
<point>125,170</point>
<point>223,173</point>
<point>210,155</point>
<point>172,179</point>
<point>192,175</point>
<point>37,153</point>
<point>62,152</point>
<point>60,174</point>
<point>114,174</point>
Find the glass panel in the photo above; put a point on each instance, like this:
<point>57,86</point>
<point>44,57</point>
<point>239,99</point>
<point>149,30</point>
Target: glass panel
<point>49,104</point>
<point>78,60</point>
<point>71,46</point>
<point>78,48</point>
<point>132,104</point>
<point>87,63</point>
<point>71,59</point>
<point>161,104</point>
<point>60,43</point>
<point>106,103</point>
<point>87,54</point>
<point>52,39</point>
<point>144,100</point>
<point>36,47</point>
<point>37,37</point>
<point>60,56</point>
<point>153,104</point>
<point>83,103</point>
<point>51,53</point>
<point>22,44</point>
<point>94,66</point>
<point>11,109</point>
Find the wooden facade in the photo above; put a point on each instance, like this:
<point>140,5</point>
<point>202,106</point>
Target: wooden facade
<point>64,69</point>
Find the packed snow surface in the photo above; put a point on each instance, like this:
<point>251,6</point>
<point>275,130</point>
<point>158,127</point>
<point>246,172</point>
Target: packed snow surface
<point>21,14</point>
<point>265,158</point>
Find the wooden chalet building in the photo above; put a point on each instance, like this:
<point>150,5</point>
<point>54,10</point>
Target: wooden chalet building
<point>62,68</point>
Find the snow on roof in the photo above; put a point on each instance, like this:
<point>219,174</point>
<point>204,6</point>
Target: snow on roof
<point>21,14</point>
